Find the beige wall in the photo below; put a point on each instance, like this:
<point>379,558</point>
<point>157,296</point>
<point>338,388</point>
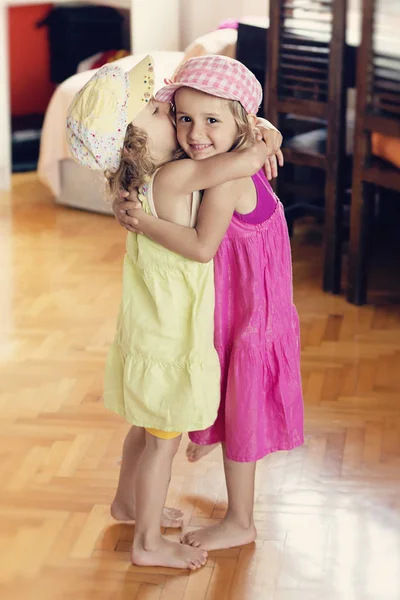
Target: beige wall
<point>155,25</point>
<point>201,16</point>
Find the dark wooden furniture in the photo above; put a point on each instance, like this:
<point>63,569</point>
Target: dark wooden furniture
<point>305,95</point>
<point>378,110</point>
<point>252,43</point>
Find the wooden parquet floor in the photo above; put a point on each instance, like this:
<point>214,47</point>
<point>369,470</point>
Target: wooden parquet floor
<point>327,514</point>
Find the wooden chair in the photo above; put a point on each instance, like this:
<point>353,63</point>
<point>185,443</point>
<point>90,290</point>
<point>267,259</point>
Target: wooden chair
<point>378,111</point>
<point>305,95</point>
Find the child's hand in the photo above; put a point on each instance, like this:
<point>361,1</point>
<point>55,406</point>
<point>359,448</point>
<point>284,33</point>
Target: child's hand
<point>271,165</point>
<point>273,140</point>
<point>257,153</point>
<point>122,207</point>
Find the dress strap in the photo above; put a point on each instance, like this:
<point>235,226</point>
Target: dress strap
<point>194,208</point>
<point>268,188</point>
<point>149,195</point>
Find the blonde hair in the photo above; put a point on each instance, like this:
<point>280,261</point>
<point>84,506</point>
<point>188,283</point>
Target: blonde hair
<point>136,164</point>
<point>245,130</point>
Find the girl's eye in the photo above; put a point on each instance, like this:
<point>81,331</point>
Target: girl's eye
<point>211,120</point>
<point>184,119</point>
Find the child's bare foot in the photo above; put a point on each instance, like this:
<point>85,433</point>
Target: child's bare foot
<point>226,534</point>
<point>168,554</point>
<point>171,517</point>
<point>194,452</point>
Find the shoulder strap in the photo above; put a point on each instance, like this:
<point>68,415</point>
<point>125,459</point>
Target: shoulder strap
<point>269,189</point>
<point>149,195</point>
<point>194,208</point>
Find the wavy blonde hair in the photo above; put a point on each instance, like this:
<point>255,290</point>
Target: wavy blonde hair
<point>245,130</point>
<point>136,163</point>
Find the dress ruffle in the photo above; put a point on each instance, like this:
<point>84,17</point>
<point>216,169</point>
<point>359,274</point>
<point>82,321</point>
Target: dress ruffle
<point>172,396</point>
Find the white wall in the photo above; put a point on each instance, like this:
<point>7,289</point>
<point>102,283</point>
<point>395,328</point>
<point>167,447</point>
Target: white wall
<point>5,158</point>
<point>155,25</point>
<point>201,16</point>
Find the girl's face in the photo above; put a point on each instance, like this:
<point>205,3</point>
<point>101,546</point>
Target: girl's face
<point>156,119</point>
<point>204,124</point>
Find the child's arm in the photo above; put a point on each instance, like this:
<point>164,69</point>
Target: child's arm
<point>125,203</point>
<point>201,242</point>
<point>186,176</point>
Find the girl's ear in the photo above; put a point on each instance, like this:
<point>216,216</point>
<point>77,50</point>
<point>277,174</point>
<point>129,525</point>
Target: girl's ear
<point>252,119</point>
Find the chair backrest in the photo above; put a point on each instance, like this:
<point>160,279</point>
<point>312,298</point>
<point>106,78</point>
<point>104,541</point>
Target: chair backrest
<point>378,68</point>
<point>306,41</point>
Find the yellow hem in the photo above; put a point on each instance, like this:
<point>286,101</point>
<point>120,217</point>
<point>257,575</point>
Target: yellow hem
<point>163,435</point>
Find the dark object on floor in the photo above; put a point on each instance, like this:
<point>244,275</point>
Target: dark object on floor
<point>25,142</point>
<point>78,32</point>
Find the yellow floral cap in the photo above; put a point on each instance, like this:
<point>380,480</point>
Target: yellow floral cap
<point>102,110</point>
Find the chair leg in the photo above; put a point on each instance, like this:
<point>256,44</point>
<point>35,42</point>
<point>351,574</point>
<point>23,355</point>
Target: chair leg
<point>333,232</point>
<point>362,208</point>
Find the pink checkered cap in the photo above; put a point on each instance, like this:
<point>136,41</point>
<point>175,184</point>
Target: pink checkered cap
<point>219,76</point>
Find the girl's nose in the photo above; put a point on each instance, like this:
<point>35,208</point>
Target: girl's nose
<point>195,132</point>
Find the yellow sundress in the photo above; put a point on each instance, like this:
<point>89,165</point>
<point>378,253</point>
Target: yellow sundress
<point>162,370</point>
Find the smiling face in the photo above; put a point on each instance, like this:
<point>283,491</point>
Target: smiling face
<point>205,125</point>
<point>156,119</point>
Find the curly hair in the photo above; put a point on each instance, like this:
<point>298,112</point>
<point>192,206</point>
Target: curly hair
<point>136,163</point>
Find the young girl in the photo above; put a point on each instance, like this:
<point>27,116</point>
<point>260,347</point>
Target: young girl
<point>242,225</point>
<point>162,372</point>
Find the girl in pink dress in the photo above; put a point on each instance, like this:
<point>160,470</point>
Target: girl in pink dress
<point>242,226</point>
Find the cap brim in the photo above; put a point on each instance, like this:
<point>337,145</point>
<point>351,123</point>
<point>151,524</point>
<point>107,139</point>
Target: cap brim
<point>141,83</point>
<point>167,93</point>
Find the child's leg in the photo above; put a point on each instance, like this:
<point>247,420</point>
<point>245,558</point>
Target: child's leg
<point>237,528</point>
<point>150,548</point>
<point>195,452</point>
<point>123,506</point>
